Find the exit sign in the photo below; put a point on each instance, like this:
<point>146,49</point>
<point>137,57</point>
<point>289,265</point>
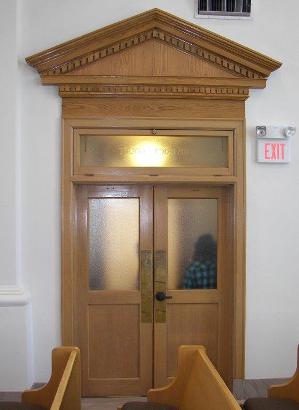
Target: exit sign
<point>275,151</point>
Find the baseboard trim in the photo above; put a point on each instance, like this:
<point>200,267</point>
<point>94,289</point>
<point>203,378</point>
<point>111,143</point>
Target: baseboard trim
<point>10,396</point>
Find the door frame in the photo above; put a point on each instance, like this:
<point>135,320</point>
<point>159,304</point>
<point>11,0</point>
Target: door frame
<point>235,184</point>
<point>211,85</point>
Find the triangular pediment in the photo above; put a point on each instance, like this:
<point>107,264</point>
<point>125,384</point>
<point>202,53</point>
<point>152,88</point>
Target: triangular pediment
<point>153,58</point>
<point>162,27</point>
<point>154,44</point>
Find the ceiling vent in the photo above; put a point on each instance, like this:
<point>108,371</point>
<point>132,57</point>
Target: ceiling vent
<point>223,8</point>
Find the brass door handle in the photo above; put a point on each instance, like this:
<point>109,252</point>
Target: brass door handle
<point>160,296</point>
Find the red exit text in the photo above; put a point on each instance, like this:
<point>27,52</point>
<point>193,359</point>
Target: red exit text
<point>273,151</point>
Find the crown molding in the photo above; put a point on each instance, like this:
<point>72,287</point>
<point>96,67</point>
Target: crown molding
<point>160,26</point>
<point>180,87</point>
<point>226,64</point>
<point>96,90</point>
<point>153,80</point>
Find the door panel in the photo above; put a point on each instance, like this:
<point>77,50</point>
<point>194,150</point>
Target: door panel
<point>112,329</point>
<point>191,324</point>
<point>188,220</point>
<point>114,254</point>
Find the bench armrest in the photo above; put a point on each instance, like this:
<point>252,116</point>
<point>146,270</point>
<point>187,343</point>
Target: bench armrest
<point>289,390</point>
<point>172,393</point>
<point>64,386</point>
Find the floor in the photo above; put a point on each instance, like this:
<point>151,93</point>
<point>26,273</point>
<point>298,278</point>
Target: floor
<point>107,403</point>
<point>242,390</point>
<point>90,403</point>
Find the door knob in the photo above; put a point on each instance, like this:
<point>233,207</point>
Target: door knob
<point>160,296</point>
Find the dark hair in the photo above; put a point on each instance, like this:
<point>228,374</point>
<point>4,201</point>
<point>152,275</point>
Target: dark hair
<point>205,248</point>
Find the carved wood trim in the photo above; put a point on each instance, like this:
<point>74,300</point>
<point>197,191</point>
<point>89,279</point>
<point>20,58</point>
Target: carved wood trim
<point>160,26</point>
<point>183,91</point>
<point>152,80</point>
<point>164,37</point>
<point>93,86</point>
<point>158,99</point>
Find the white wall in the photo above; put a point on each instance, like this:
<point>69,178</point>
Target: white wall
<point>272,327</point>
<point>15,309</point>
<point>8,78</point>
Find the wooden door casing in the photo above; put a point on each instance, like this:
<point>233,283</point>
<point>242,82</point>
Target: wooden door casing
<point>191,76</point>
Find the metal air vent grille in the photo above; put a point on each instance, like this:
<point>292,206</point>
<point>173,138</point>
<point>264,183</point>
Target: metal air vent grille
<point>233,8</point>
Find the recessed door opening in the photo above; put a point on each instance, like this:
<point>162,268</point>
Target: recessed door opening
<point>151,78</point>
<point>153,274</point>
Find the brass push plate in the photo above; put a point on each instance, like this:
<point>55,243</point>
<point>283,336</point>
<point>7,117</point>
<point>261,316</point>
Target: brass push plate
<point>146,286</point>
<point>160,285</point>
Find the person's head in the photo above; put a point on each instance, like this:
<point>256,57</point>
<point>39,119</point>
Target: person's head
<point>205,248</point>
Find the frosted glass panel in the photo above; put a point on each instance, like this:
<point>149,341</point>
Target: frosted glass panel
<point>158,151</point>
<point>113,243</point>
<point>192,247</point>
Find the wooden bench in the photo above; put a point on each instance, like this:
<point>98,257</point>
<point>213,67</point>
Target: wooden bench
<point>197,386</point>
<point>62,392</point>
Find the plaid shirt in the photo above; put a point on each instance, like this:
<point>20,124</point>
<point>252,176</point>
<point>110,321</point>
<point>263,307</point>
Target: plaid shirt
<point>200,275</point>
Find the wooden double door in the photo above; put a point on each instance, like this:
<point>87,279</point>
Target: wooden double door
<point>153,272</point>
